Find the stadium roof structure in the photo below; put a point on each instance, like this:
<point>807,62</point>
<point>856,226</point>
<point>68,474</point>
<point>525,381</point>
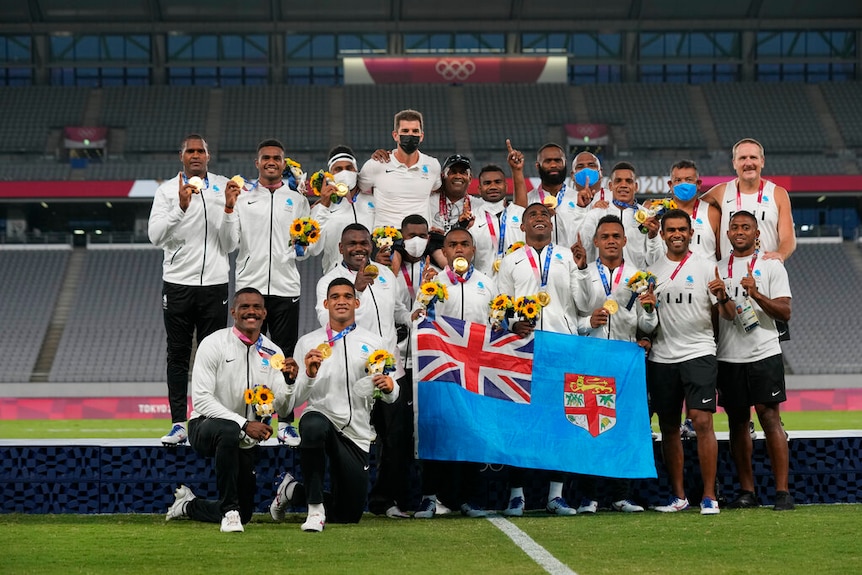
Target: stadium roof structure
<point>248,16</point>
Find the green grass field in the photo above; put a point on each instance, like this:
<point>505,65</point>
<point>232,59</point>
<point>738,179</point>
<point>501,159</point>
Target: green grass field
<point>154,428</point>
<point>812,539</point>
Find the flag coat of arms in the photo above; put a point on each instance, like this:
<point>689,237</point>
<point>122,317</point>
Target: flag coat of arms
<point>552,401</point>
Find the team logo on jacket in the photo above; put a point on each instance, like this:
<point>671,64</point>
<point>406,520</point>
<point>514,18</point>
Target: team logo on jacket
<point>590,402</point>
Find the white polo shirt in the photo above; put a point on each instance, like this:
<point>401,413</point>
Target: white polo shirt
<point>400,190</point>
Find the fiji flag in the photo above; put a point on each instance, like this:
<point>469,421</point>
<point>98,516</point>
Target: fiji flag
<point>561,402</point>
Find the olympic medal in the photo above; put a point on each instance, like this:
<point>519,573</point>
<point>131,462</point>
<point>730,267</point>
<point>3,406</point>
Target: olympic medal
<point>611,306</point>
<point>550,202</point>
<point>277,362</point>
<point>544,298</point>
<point>197,182</point>
<point>372,270</point>
<point>325,349</point>
<point>497,264</point>
<point>641,216</point>
<point>238,180</point>
<point>341,189</point>
<point>460,265</point>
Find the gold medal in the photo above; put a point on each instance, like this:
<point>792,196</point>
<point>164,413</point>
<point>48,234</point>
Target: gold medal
<point>611,306</point>
<point>460,265</point>
<point>341,189</point>
<point>277,362</point>
<point>550,202</point>
<point>197,182</point>
<point>497,264</point>
<point>372,271</point>
<point>238,180</point>
<point>544,298</point>
<point>641,216</point>
<point>325,349</point>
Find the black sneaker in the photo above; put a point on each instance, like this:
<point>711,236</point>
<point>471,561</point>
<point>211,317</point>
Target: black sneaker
<point>783,501</point>
<point>745,500</point>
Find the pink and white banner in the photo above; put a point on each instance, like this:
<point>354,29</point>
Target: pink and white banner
<point>456,70</point>
<point>78,137</point>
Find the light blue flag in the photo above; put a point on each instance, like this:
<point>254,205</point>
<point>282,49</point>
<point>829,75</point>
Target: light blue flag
<point>584,410</point>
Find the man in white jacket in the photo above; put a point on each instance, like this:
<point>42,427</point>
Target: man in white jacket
<point>230,364</point>
<point>336,423</point>
<point>190,222</point>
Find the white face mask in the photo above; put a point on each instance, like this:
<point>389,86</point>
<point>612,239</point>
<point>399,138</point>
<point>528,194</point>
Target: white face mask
<point>415,246</point>
<point>346,177</point>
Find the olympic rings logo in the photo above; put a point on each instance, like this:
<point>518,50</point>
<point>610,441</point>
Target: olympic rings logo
<point>455,69</point>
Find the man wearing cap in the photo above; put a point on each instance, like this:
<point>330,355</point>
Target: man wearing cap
<point>333,212</point>
<point>403,182</point>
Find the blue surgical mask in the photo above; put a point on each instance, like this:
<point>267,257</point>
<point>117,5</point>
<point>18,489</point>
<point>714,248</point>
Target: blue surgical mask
<point>685,191</point>
<point>586,177</point>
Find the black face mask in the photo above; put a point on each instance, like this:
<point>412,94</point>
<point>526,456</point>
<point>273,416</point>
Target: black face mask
<point>408,143</point>
<point>552,179</point>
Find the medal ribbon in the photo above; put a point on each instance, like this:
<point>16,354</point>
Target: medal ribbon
<point>331,339</point>
<point>730,264</point>
<point>679,265</point>
<point>560,194</point>
<point>501,242</point>
<point>455,278</point>
<point>264,352</point>
<point>409,280</point>
<point>604,278</point>
<point>623,205</point>
<point>543,277</point>
<point>206,181</point>
<point>739,195</point>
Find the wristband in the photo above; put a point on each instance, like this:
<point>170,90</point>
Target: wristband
<point>244,426</point>
<point>725,300</point>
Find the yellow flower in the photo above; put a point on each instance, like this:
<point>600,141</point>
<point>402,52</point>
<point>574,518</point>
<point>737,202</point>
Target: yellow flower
<point>377,356</point>
<point>296,227</point>
<point>429,288</point>
<point>249,396</point>
<point>312,235</point>
<point>531,310</point>
<point>264,395</point>
<point>514,247</point>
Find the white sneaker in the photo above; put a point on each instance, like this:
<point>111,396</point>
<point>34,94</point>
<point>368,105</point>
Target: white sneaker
<point>176,435</point>
<point>427,508</point>
<point>231,523</point>
<point>588,506</point>
<point>558,506</point>
<point>626,506</point>
<point>709,507</point>
<point>283,495</point>
<point>473,511</point>
<point>395,513</point>
<point>178,509</point>
<point>314,523</point>
<point>442,509</point>
<point>515,508</point>
<point>287,435</point>
<point>674,504</point>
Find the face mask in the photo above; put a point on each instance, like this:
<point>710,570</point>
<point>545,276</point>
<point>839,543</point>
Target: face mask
<point>346,177</point>
<point>408,143</point>
<point>415,246</point>
<point>552,179</point>
<point>685,192</point>
<point>586,177</point>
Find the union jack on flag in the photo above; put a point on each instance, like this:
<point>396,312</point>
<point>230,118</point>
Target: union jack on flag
<point>497,364</point>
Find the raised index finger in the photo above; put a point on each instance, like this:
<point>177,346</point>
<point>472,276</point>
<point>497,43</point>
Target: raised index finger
<point>509,145</point>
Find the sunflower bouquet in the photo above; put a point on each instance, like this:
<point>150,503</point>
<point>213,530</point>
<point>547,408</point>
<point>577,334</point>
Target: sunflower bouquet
<point>385,236</point>
<point>431,292</point>
<point>654,209</point>
<point>294,175</point>
<point>502,307</point>
<point>528,308</point>
<point>380,361</point>
<point>638,283</point>
<point>514,247</point>
<point>318,180</point>
<point>303,232</point>
<point>260,397</point>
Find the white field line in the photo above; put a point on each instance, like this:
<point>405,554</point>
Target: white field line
<point>533,550</point>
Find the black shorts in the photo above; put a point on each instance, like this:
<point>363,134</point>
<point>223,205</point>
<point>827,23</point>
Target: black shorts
<point>741,385</point>
<point>668,384</point>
